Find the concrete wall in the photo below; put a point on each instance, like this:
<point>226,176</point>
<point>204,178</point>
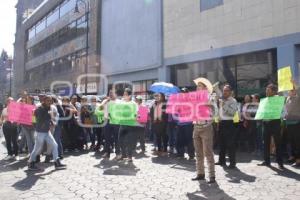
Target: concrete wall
<point>131,36</point>
<point>187,30</point>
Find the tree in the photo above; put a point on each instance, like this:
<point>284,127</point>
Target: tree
<point>3,58</point>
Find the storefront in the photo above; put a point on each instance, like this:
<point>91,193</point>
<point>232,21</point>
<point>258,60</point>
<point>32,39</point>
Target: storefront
<point>246,73</point>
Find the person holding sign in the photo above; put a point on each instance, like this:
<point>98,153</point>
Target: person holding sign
<point>292,117</point>
<point>203,138</point>
<point>159,121</point>
<point>111,129</point>
<point>228,130</point>
<point>271,124</point>
<point>127,132</point>
<point>10,132</point>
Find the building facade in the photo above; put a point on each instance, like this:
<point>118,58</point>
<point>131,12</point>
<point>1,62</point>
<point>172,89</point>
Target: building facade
<point>240,42</point>
<point>57,38</point>
<point>131,49</point>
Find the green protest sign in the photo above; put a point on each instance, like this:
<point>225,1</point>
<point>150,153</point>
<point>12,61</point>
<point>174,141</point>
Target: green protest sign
<point>270,108</point>
<point>100,115</point>
<point>123,113</point>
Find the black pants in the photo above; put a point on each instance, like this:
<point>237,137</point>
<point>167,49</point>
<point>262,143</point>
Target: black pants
<point>140,134</point>
<point>127,140</point>
<point>293,132</point>
<point>185,139</point>
<point>111,135</point>
<point>160,130</point>
<point>228,137</point>
<point>272,128</point>
<point>10,132</point>
<point>98,133</point>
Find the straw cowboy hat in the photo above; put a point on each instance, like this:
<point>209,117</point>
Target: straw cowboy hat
<point>205,82</point>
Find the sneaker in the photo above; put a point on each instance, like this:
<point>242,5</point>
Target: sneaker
<point>58,165</point>
<point>199,177</point>
<point>264,164</point>
<point>32,167</point>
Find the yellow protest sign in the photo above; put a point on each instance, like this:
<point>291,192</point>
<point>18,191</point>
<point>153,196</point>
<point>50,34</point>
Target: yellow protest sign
<point>284,79</point>
<point>236,118</point>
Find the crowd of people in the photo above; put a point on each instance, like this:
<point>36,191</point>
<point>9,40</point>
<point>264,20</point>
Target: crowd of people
<point>73,124</point>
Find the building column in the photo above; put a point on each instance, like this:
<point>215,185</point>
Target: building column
<point>286,56</point>
<point>164,74</point>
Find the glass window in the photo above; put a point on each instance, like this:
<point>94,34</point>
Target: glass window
<point>31,33</point>
<point>41,25</point>
<point>67,6</point>
<point>53,17</point>
<point>208,4</point>
<point>81,26</point>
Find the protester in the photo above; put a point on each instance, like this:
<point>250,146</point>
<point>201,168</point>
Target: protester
<point>127,133</point>
<point>272,128</point>
<point>10,132</point>
<point>28,130</point>
<point>59,125</point>
<point>69,133</point>
<point>111,131</point>
<point>140,129</point>
<point>159,122</point>
<point>97,114</point>
<point>292,117</point>
<point>87,121</point>
<point>43,126</point>
<point>184,137</point>
<point>256,126</point>
<point>203,137</point>
<point>228,131</point>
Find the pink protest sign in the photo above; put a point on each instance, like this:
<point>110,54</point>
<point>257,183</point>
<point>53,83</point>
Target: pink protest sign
<point>20,113</point>
<point>192,106</point>
<point>142,114</point>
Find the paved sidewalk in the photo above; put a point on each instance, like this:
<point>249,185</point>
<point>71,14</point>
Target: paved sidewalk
<point>90,177</point>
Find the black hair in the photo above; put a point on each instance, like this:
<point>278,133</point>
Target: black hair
<point>273,87</point>
<point>128,91</point>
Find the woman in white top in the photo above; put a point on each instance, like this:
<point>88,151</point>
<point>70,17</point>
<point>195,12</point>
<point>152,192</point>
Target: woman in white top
<point>10,132</point>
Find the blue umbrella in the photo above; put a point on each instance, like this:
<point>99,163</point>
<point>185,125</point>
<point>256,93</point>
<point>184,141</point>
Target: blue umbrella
<point>165,88</point>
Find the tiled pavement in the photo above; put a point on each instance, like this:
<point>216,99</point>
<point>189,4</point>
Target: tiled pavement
<point>88,176</point>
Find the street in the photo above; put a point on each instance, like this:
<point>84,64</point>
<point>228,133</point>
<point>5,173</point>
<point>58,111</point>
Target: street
<point>88,176</point>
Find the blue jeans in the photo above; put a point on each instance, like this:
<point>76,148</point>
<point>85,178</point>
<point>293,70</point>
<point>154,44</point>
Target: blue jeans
<point>39,144</point>
<point>57,137</point>
<point>29,135</point>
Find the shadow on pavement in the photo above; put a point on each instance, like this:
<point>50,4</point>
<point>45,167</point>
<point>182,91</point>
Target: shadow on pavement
<point>209,191</point>
<point>12,165</point>
<point>286,173</point>
<point>30,180</point>
<point>112,167</point>
<point>176,163</point>
<point>236,176</point>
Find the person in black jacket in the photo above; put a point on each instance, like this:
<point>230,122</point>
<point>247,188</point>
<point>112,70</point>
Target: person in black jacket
<point>159,120</point>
